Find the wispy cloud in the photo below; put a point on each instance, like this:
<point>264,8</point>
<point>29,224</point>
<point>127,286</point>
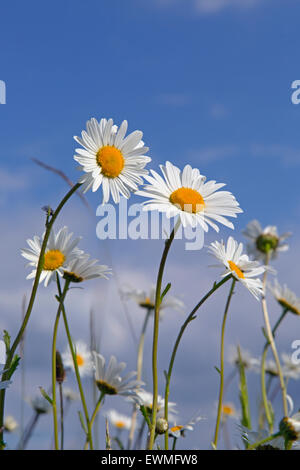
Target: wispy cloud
<point>207,7</point>
<point>215,6</point>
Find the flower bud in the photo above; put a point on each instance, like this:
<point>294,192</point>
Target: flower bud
<point>60,370</point>
<point>161,426</point>
<point>266,243</point>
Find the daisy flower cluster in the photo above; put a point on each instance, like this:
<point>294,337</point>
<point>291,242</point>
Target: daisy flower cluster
<point>114,162</point>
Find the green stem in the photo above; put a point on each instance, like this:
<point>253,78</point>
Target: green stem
<point>215,442</point>
<point>190,318</point>
<point>140,357</point>
<point>263,375</point>
<point>61,399</point>
<point>10,355</point>
<point>95,412</point>
<point>155,337</point>
<point>78,378</point>
<point>272,342</point>
<point>263,441</point>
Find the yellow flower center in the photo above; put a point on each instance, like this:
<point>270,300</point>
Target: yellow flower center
<point>111,161</point>
<point>120,424</point>
<point>188,199</point>
<point>53,259</point>
<point>176,428</point>
<point>147,303</point>
<point>236,269</point>
<point>288,306</point>
<point>228,410</point>
<point>79,359</point>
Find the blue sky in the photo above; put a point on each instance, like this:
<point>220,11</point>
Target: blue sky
<point>207,81</point>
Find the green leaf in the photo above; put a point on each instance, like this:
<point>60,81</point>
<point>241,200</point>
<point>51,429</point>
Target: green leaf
<point>218,370</point>
<point>6,339</point>
<point>82,422</point>
<point>13,366</point>
<point>166,290</point>
<point>46,396</point>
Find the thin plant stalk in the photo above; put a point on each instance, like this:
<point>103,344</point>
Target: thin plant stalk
<point>271,341</point>
<point>28,432</point>
<point>61,404</point>
<point>95,412</point>
<point>219,413</point>
<point>140,357</point>
<point>168,244</point>
<point>55,330</point>
<point>77,374</point>
<point>263,374</point>
<point>49,224</point>
<point>188,320</point>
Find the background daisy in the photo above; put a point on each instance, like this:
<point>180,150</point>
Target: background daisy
<point>238,264</point>
<point>60,251</point>
<point>83,357</point>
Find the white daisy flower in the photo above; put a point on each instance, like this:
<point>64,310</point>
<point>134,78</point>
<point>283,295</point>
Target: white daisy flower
<point>290,369</point>
<point>83,358</point>
<point>111,160</point>
<point>147,299</point>
<point>10,424</point>
<point>228,411</point>
<point>108,379</point>
<point>83,268</point>
<point>179,429</point>
<point>60,251</point>
<point>264,240</point>
<point>285,297</point>
<point>249,362</point>
<point>238,264</point>
<point>145,399</point>
<point>118,420</point>
<point>187,195</point>
<point>70,395</point>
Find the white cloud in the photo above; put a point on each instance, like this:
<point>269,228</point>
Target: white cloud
<point>215,6</point>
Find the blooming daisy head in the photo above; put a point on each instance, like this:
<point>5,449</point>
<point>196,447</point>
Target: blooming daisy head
<point>110,159</point>
<point>238,264</point>
<point>82,268</point>
<point>264,241</point>
<point>187,194</point>
<point>290,368</point>
<point>118,420</point>
<point>70,395</point>
<point>249,362</point>
<point>145,399</point>
<point>83,358</point>
<point>60,251</point>
<point>109,380</point>
<point>228,411</point>
<point>179,429</point>
<point>146,299</point>
<point>285,297</point>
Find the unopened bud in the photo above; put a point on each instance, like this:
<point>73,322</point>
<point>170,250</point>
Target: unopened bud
<point>60,370</point>
<point>161,426</point>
